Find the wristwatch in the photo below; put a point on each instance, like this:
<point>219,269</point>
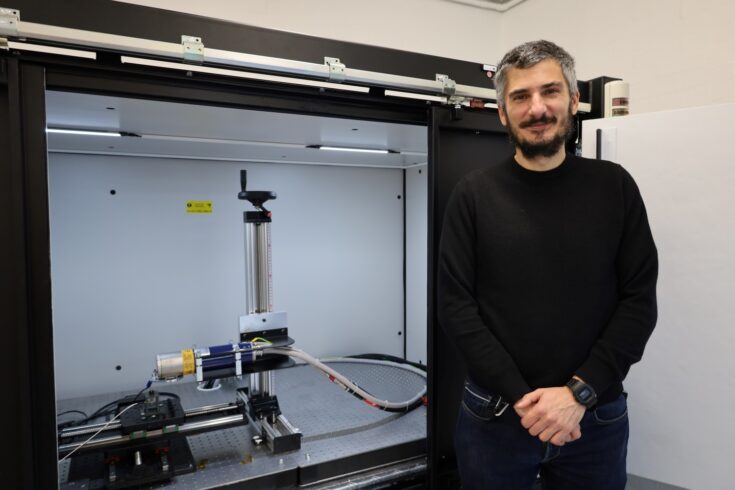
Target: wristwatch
<point>582,392</point>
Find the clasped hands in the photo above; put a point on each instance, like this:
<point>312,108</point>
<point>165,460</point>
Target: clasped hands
<point>551,414</point>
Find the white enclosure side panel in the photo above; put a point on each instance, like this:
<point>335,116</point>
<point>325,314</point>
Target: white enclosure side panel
<point>417,239</point>
<point>682,393</point>
<point>133,274</point>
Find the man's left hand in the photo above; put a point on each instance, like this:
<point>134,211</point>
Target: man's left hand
<point>550,414</point>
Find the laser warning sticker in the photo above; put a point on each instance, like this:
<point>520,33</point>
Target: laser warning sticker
<point>198,206</point>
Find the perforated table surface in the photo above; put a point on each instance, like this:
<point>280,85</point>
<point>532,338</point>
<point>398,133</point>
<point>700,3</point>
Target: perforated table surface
<point>341,434</point>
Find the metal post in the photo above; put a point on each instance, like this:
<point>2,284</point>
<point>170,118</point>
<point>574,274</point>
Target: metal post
<point>258,282</point>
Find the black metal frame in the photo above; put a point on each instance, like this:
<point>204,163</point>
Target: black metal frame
<point>458,143</point>
<point>167,26</point>
<point>17,468</point>
<point>26,226</point>
<point>28,301</point>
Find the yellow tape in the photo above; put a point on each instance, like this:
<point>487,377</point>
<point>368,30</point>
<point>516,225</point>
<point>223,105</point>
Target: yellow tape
<point>188,357</point>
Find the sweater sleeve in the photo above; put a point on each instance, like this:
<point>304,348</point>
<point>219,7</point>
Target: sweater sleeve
<point>624,338</point>
<point>488,363</point>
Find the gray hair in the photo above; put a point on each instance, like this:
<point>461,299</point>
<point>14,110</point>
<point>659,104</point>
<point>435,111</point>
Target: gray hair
<point>529,54</point>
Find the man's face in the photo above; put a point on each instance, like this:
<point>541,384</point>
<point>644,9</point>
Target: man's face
<point>538,109</point>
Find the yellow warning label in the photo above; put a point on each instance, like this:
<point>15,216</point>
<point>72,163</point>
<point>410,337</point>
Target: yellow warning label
<point>199,206</point>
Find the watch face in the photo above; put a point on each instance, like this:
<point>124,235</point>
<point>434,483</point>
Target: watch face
<point>585,394</point>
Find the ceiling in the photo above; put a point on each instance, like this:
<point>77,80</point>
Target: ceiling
<point>499,5</point>
<point>174,130</point>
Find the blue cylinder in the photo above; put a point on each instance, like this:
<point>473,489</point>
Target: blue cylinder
<point>223,357</point>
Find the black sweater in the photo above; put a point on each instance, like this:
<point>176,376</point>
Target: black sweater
<point>544,275</point>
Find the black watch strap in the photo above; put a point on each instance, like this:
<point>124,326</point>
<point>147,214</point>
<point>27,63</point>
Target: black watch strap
<point>582,392</point>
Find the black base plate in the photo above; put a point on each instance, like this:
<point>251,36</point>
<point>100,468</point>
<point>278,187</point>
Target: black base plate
<point>95,468</point>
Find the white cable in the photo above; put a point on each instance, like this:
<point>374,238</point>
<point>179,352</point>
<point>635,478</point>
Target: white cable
<point>377,362</point>
<point>101,429</point>
<point>299,354</point>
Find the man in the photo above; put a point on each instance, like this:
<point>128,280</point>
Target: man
<point>547,284</point>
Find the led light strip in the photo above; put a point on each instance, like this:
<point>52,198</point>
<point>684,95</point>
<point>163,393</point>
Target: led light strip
<point>85,132</point>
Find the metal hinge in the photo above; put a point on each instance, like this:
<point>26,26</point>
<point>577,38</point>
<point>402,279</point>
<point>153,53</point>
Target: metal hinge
<point>449,87</point>
<point>193,49</point>
<point>9,19</point>
<point>336,69</point>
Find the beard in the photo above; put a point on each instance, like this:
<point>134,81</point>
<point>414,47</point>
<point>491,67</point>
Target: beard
<point>543,148</point>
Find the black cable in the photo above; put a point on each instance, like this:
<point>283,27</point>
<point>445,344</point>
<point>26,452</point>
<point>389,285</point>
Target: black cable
<point>113,406</point>
<point>170,395</point>
<point>72,411</point>
<point>387,357</point>
<point>69,423</point>
<point>147,385</point>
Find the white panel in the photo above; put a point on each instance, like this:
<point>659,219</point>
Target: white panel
<point>682,393</point>
<point>417,239</point>
<point>134,275</point>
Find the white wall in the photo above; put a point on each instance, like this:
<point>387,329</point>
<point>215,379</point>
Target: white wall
<point>674,53</point>
<point>683,391</point>
<point>435,27</point>
<point>133,275</point>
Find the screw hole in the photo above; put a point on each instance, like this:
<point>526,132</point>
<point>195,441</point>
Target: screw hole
<point>118,367</point>
<point>113,191</point>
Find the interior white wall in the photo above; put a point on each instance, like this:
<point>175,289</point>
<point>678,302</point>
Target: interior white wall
<point>417,240</point>
<point>682,392</point>
<point>134,275</point>
<point>675,53</point>
<point>435,27</point>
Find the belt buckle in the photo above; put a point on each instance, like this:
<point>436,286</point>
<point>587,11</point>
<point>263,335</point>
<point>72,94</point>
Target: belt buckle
<point>500,407</point>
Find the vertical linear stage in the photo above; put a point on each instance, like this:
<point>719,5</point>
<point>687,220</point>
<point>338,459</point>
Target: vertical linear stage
<point>259,290</point>
<point>263,409</point>
<point>259,287</point>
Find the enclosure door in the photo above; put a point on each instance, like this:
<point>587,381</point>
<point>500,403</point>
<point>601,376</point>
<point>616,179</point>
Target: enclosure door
<point>459,142</point>
<point>28,407</point>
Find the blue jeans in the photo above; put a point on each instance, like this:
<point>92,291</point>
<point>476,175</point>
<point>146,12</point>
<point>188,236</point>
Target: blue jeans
<point>497,453</point>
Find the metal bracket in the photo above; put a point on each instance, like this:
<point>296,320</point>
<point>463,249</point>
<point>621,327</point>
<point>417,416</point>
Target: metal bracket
<point>336,69</point>
<point>200,370</point>
<point>456,101</point>
<point>238,364</point>
<point>260,321</point>
<point>449,86</point>
<point>193,49</point>
<point>9,19</point>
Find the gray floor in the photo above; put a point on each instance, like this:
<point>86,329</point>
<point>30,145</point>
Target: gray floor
<point>639,483</point>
